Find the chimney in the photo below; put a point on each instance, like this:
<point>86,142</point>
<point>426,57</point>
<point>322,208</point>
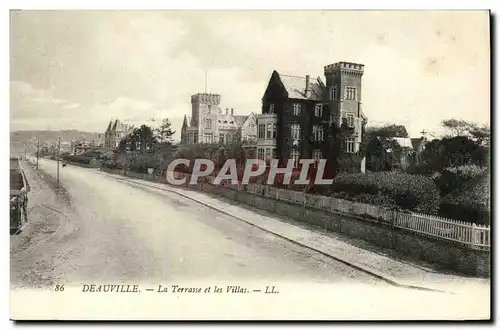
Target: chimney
<point>308,87</point>
<point>232,111</point>
<point>227,110</point>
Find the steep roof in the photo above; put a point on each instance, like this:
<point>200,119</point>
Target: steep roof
<point>240,119</point>
<point>296,87</point>
<point>109,126</point>
<point>403,142</point>
<point>186,123</point>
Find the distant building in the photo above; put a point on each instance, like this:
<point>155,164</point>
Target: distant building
<point>115,132</point>
<point>298,111</point>
<point>394,153</point>
<point>210,124</point>
<point>81,147</point>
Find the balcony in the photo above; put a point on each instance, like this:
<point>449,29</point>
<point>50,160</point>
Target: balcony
<point>265,118</point>
<point>266,143</point>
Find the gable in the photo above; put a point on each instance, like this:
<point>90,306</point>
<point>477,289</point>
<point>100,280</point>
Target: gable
<point>275,88</point>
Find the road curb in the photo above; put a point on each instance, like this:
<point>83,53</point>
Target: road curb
<point>383,277</point>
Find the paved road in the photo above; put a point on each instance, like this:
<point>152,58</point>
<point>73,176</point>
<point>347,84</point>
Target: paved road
<point>121,232</point>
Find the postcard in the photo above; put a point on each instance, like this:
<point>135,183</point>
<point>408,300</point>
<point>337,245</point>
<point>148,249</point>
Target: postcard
<point>250,165</point>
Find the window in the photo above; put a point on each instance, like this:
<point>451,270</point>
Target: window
<point>262,131</point>
<point>317,155</point>
<point>295,156</point>
<point>268,154</point>
<point>271,108</point>
<point>271,131</point>
<point>209,138</point>
<point>195,137</point>
<point>208,123</point>
<point>318,133</point>
<point>260,153</point>
<point>333,93</point>
<point>273,153</point>
<point>297,107</point>
<point>295,131</point>
<point>229,138</point>
<point>221,138</point>
<point>350,93</point>
<point>349,145</point>
<point>318,110</point>
<point>350,120</point>
<point>252,124</point>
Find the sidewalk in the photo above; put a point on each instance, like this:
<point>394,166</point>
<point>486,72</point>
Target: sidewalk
<point>334,245</point>
<point>31,265</point>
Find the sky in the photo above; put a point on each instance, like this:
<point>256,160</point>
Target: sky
<point>81,69</point>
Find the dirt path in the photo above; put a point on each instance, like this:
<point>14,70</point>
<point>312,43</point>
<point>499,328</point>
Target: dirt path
<point>33,254</point>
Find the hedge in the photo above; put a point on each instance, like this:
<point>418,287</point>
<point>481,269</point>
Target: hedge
<point>465,213</point>
<point>416,193</point>
<point>452,178</point>
<point>77,159</point>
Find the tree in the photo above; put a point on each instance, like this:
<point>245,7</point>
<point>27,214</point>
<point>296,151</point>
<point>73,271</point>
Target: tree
<point>387,131</point>
<point>338,160</point>
<point>457,127</point>
<point>452,152</point>
<point>479,134</point>
<point>165,132</point>
<point>145,136</point>
<point>381,149</point>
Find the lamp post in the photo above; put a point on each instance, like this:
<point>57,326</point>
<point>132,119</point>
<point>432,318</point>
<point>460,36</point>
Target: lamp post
<point>37,152</point>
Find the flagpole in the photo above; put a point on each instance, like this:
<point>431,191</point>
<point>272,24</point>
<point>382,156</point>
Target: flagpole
<point>206,80</point>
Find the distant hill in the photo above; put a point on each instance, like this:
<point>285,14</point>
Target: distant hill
<point>20,139</point>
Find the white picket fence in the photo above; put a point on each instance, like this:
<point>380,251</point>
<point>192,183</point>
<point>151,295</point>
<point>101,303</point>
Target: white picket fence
<point>476,236</point>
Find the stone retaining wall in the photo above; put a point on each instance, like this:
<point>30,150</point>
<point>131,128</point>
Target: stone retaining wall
<point>446,254</point>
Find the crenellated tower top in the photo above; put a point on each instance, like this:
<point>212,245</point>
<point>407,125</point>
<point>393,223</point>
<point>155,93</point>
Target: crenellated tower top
<point>345,68</point>
<point>205,98</point>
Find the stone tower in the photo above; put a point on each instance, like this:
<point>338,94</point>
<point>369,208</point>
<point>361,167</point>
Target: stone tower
<point>204,106</point>
<point>343,87</point>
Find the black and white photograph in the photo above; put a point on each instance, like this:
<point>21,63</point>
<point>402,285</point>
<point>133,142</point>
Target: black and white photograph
<point>193,165</point>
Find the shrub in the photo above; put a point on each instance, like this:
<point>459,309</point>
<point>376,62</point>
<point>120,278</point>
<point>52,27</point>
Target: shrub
<point>411,192</point>
<point>80,159</point>
<point>467,213</point>
<point>452,178</point>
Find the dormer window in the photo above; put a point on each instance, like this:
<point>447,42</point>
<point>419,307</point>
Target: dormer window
<point>271,108</point>
<point>225,121</point>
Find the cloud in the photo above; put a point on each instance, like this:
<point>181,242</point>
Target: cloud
<point>72,106</point>
<point>143,64</point>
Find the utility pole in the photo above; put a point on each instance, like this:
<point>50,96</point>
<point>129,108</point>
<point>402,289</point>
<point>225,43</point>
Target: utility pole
<point>37,152</point>
<point>58,155</point>
<point>25,151</point>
